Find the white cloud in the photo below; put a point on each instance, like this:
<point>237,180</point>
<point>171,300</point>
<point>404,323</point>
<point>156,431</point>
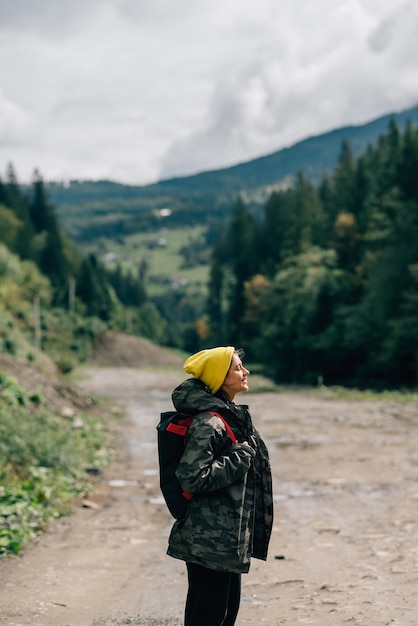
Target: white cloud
<point>14,124</point>
<point>136,90</point>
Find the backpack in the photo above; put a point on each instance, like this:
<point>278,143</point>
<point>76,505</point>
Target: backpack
<point>172,431</point>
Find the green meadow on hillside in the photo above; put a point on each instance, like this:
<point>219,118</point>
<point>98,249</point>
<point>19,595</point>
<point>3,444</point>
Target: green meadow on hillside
<point>162,252</point>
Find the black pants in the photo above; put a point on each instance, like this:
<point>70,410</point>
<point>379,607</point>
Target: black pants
<point>213,597</point>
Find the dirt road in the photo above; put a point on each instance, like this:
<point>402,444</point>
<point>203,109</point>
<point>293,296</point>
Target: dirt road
<point>345,541</point>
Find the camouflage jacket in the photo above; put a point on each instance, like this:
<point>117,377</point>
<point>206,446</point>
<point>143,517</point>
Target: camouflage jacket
<point>229,518</point>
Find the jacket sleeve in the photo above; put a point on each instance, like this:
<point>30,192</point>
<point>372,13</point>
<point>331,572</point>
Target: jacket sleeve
<point>210,460</point>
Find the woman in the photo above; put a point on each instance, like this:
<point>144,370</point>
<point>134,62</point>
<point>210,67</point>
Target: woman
<point>230,514</point>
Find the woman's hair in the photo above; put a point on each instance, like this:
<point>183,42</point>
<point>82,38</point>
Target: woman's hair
<point>222,395</point>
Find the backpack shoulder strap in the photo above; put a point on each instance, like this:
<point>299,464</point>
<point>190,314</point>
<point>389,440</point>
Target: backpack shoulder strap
<point>177,423</point>
<point>227,426</point>
<point>180,426</point>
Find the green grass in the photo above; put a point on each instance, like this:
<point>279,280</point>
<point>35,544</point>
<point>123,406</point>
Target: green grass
<point>387,395</point>
<point>45,462</point>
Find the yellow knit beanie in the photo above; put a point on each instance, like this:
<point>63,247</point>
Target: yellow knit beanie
<point>211,366</point>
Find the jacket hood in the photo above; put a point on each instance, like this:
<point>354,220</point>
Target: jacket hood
<point>193,396</point>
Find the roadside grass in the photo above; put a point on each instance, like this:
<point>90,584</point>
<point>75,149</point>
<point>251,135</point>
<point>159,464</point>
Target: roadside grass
<point>404,396</point>
<point>46,461</point>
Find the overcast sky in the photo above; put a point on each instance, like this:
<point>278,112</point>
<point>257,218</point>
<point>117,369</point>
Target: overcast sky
<point>141,90</point>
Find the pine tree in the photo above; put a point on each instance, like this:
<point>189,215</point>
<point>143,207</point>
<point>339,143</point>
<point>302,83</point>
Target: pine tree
<point>364,193</point>
<point>215,297</point>
<point>42,214</point>
<point>385,159</point>
<point>306,218</point>
<point>329,207</point>
<point>344,184</point>
<point>54,264</point>
<point>274,232</point>
<point>93,288</point>
<point>242,255</point>
<point>18,202</point>
<point>408,164</point>
<point>4,195</point>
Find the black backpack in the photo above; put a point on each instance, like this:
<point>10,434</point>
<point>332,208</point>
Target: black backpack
<point>172,431</point>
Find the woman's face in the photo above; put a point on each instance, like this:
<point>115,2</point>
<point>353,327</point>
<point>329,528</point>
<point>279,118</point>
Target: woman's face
<point>236,379</point>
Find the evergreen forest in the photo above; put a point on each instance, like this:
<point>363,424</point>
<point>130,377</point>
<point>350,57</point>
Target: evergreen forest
<point>323,289</point>
<point>53,297</point>
<point>318,285</point>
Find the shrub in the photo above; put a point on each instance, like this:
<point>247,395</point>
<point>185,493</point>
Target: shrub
<point>44,462</point>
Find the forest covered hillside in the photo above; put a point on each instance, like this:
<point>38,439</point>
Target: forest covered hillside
<point>317,282</point>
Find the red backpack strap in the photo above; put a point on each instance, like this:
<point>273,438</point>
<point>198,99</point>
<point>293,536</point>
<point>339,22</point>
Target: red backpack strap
<point>227,426</point>
<point>181,427</point>
<point>187,495</point>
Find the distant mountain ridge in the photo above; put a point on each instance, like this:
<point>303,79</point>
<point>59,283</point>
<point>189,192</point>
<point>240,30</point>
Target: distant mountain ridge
<point>111,202</point>
<point>312,156</point>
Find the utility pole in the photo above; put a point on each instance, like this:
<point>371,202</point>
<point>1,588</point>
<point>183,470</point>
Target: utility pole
<point>37,322</point>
